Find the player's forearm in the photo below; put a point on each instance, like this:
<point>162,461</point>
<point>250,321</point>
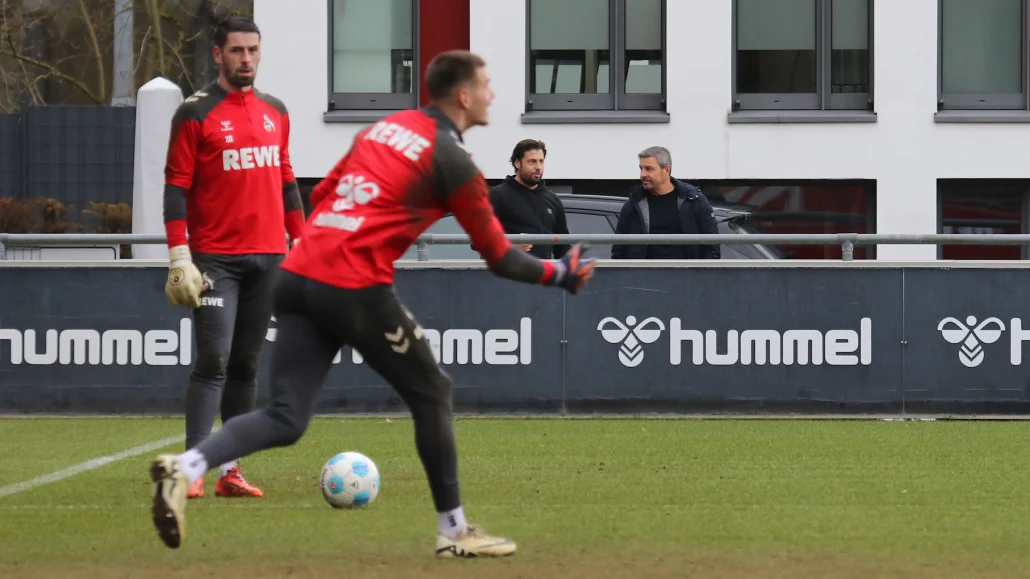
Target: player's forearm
<point>517,265</point>
<point>293,210</point>
<point>175,215</point>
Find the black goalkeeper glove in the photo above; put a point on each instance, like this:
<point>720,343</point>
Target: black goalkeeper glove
<point>572,271</point>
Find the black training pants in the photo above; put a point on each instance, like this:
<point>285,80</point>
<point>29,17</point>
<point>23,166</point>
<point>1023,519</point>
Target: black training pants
<point>313,322</point>
<point>230,327</point>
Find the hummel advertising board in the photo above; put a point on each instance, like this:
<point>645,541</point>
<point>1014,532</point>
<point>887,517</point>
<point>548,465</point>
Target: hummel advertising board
<point>681,340</point>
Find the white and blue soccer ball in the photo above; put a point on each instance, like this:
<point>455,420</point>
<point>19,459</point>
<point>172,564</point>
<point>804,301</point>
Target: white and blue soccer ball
<point>350,480</point>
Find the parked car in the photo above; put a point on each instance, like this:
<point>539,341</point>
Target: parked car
<point>592,214</point>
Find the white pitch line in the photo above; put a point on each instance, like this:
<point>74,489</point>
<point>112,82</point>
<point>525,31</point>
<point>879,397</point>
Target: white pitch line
<point>88,466</point>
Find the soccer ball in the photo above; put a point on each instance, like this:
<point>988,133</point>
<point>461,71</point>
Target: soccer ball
<point>349,480</point>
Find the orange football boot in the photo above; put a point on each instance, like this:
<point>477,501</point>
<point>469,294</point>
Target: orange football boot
<point>196,489</point>
<point>234,485</point>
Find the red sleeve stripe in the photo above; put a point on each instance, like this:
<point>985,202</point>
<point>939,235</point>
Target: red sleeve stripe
<point>549,271</point>
<point>175,230</point>
<point>294,223</point>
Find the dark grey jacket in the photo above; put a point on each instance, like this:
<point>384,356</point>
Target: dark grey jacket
<point>696,216</point>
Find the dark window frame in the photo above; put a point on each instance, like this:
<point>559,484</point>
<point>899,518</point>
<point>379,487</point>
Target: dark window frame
<point>822,99</point>
<point>946,187</point>
<point>870,186</point>
<point>983,101</point>
<point>616,99</point>
<point>376,101</point>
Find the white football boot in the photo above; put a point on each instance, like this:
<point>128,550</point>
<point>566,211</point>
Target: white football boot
<point>169,510</point>
<point>473,543</point>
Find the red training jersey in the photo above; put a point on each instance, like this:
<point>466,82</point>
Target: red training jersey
<point>400,176</point>
<point>228,178</point>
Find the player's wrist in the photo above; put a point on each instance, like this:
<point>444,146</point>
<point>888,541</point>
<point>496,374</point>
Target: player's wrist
<point>179,255</point>
<point>554,273</point>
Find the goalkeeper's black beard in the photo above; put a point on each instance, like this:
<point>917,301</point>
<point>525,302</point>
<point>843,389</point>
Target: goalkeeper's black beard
<point>238,81</point>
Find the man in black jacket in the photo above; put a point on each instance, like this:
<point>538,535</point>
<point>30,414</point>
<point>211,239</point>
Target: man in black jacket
<point>661,204</point>
<point>523,203</point>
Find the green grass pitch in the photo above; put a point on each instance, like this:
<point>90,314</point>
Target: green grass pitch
<point>583,498</point>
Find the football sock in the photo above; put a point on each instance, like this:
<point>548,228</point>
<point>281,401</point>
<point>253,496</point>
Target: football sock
<point>452,523</point>
<point>226,467</point>
<point>194,465</point>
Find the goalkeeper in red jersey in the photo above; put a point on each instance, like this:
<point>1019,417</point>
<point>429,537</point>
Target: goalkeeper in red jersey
<point>401,175</point>
<point>229,184</point>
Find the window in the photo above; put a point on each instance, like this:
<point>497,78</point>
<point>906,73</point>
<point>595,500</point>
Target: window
<point>805,207</point>
<point>596,55</point>
<point>802,54</point>
<point>590,224</point>
<point>372,60</point>
<point>982,54</point>
<point>982,206</point>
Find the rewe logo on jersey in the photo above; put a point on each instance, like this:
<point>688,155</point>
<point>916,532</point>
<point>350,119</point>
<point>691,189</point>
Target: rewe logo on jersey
<point>970,335</point>
<point>631,336</point>
<point>400,138</point>
<point>248,158</point>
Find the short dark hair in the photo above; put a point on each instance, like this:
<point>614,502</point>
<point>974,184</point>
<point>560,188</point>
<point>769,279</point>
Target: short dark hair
<point>525,145</point>
<point>449,69</point>
<point>233,24</point>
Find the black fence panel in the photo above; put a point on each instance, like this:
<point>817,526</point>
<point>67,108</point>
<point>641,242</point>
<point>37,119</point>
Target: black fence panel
<point>11,156</point>
<point>72,154</point>
<point>835,339</point>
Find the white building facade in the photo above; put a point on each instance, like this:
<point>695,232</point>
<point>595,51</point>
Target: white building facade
<point>827,115</point>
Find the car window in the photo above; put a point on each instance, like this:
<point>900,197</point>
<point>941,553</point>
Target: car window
<point>446,225</point>
<point>577,222</point>
<point>760,251</point>
<point>584,223</point>
<point>591,223</point>
<point>743,251</point>
<point>734,252</point>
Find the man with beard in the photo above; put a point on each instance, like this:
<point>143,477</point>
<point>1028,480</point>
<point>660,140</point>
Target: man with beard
<point>523,203</point>
<point>664,205</point>
<point>229,182</point>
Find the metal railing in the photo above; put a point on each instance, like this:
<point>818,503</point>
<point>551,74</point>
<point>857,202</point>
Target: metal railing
<point>847,241</point>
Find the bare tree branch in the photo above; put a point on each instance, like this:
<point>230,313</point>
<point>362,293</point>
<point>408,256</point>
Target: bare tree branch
<point>31,86</point>
<point>101,79</point>
<point>142,50</point>
<point>155,26</point>
<point>50,69</point>
<point>63,50</point>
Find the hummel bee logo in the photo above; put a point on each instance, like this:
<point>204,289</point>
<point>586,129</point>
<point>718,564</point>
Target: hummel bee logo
<point>632,336</point>
<point>970,336</point>
<point>400,342</point>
